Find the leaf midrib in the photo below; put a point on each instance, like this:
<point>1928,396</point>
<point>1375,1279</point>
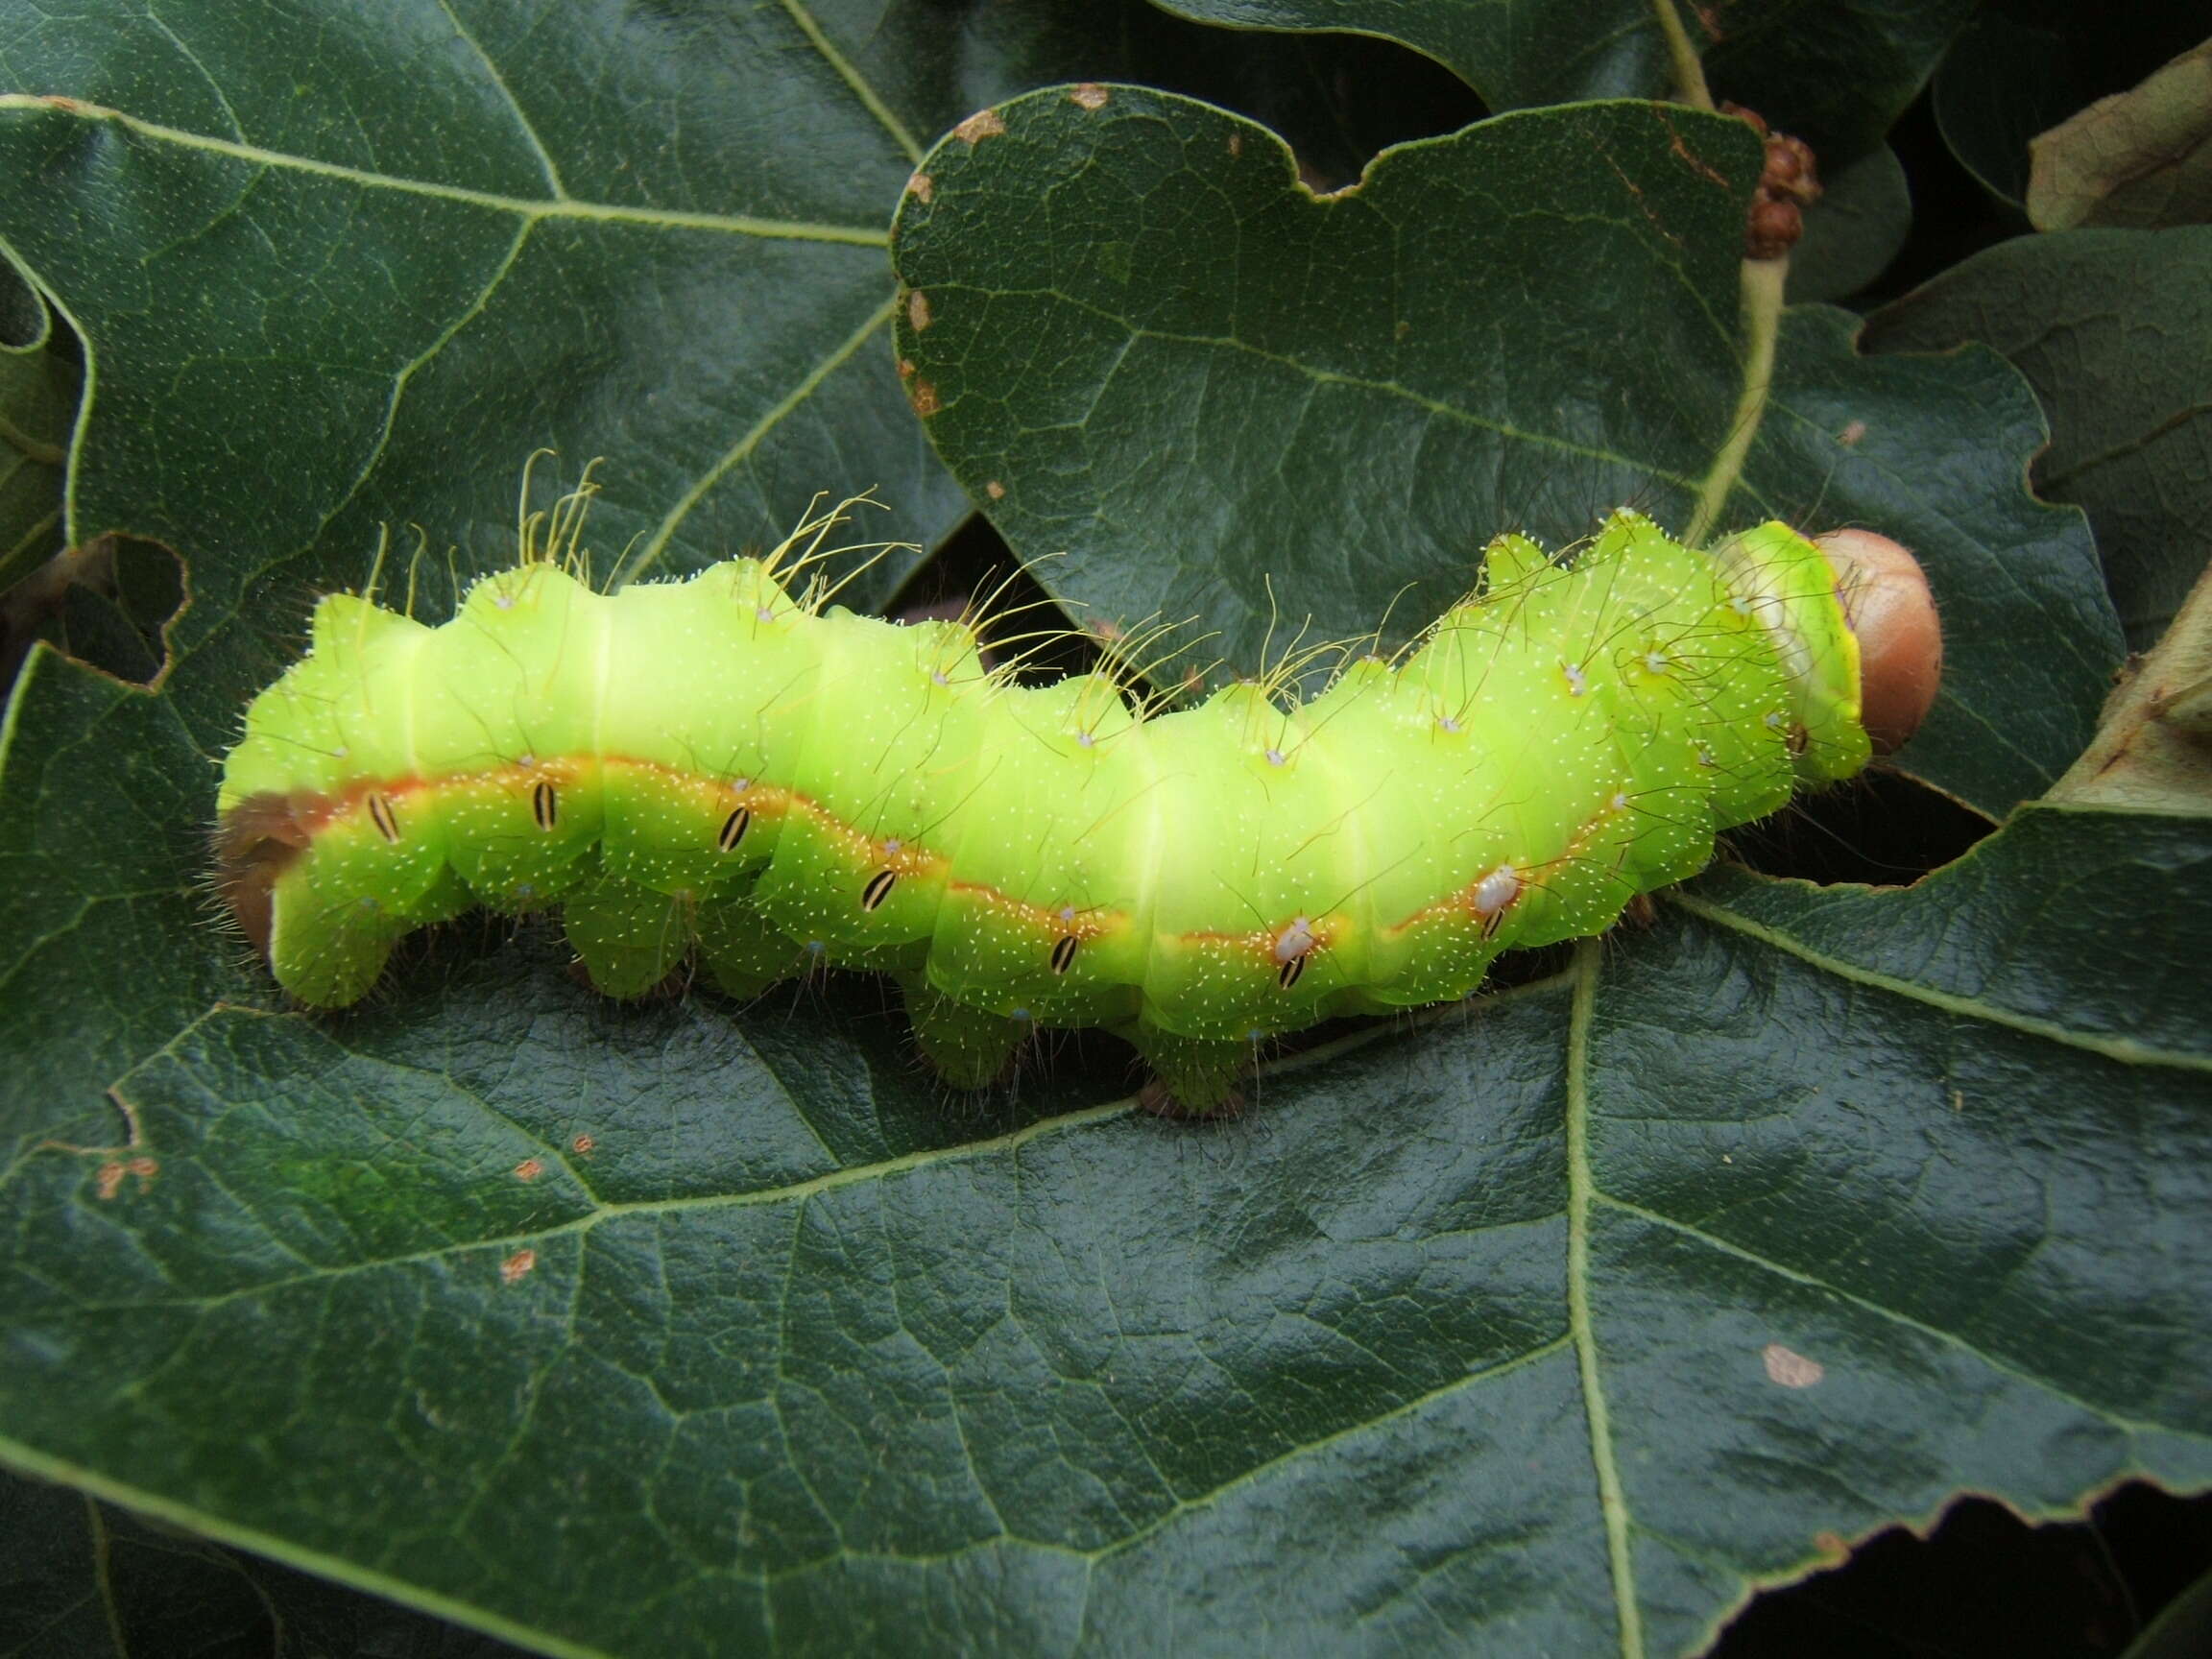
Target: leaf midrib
<point>527,208</point>
<point>1320,376</point>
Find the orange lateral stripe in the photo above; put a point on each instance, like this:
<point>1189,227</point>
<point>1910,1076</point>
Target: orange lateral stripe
<point>314,813</point>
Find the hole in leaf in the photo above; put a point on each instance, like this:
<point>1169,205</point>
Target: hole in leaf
<point>1882,828</point>
<point>1987,1585</point>
<point>104,602</point>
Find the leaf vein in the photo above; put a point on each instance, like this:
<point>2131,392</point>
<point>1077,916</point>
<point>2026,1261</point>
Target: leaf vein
<point>1581,1190</point>
<point>850,72</point>
<point>2125,1050</point>
<point>564,207</point>
<point>522,121</point>
<point>2131,1426</point>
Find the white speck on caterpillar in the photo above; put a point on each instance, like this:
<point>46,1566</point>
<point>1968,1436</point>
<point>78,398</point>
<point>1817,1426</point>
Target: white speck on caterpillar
<point>1494,893</point>
<point>1275,757</point>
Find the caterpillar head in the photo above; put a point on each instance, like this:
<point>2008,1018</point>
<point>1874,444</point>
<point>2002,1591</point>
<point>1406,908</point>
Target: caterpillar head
<point>1900,638</point>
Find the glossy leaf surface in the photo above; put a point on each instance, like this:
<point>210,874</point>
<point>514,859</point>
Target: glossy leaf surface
<point>1557,1322</point>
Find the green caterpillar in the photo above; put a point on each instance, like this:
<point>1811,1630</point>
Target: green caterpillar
<point>722,768</point>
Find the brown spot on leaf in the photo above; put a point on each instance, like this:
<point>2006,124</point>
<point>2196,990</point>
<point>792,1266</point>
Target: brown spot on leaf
<point>983,124</point>
<point>1090,96</point>
<point>1851,434</point>
<point>994,490</point>
<point>918,310</point>
<point>1793,1370</point>
<point>921,188</point>
<point>924,399</point>
<point>529,1169</point>
<point>111,1175</point>
<point>1235,143</point>
<point>518,1266</point>
<point>906,368</point>
<point>582,1145</point>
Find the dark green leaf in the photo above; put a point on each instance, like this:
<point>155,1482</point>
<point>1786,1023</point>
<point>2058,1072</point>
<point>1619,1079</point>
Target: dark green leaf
<point>1521,53</point>
<point>1188,386</point>
<point>1837,76</point>
<point>2184,1629</point>
<point>2114,330</point>
<point>95,629</point>
<point>1854,231</point>
<point>783,1346</point>
<point>346,269</point>
<point>2004,82</point>
<point>679,1329</point>
<point>1336,100</point>
<point>37,401</point>
<point>80,1577</point>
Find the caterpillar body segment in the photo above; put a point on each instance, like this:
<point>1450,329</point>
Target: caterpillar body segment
<point>713,768</point>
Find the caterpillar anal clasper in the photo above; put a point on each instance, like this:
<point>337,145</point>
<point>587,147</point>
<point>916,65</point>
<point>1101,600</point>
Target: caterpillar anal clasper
<point>718,769</point>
